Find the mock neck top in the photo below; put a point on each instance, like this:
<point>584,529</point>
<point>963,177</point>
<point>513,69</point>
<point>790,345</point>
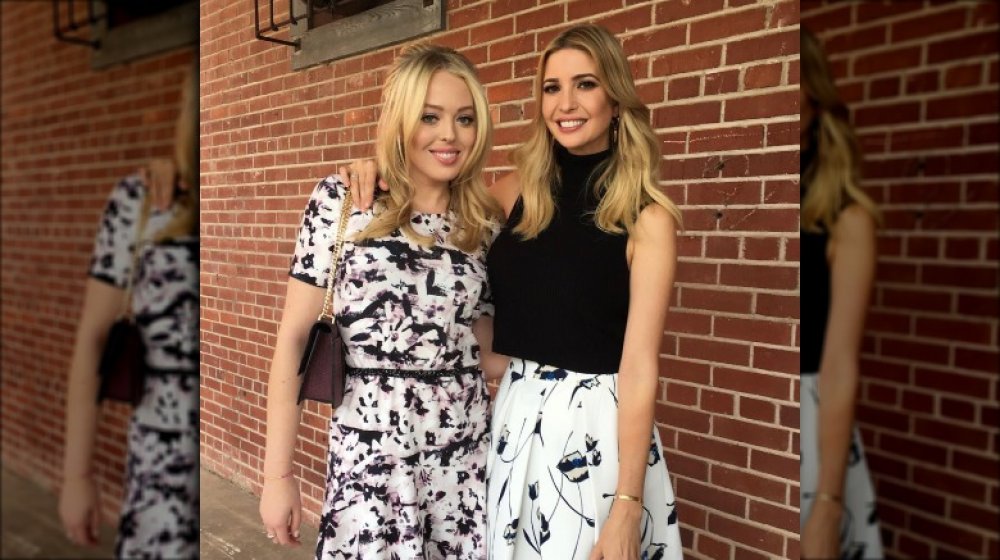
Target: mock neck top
<point>561,299</point>
<point>814,293</point>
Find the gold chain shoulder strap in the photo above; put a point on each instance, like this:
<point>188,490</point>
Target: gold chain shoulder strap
<point>143,217</point>
<point>338,247</point>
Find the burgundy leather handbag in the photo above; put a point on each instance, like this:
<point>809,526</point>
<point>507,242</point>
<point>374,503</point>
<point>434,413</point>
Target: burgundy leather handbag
<point>122,369</point>
<point>323,367</point>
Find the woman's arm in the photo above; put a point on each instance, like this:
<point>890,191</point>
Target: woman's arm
<point>280,507</point>
<point>652,264</point>
<point>78,505</point>
<point>852,274</point>
<point>493,365</point>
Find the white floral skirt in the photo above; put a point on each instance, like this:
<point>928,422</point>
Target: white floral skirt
<point>552,469</point>
<point>859,529</point>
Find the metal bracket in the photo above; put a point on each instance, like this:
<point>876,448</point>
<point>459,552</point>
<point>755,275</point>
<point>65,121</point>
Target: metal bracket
<point>73,25</point>
<point>275,26</point>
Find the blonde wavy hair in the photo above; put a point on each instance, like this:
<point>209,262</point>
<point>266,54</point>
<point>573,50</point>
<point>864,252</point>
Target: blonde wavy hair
<point>630,180</point>
<point>834,177</point>
<point>186,157</point>
<point>403,104</point>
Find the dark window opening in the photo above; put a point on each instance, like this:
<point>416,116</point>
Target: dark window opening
<point>329,11</point>
<point>124,12</point>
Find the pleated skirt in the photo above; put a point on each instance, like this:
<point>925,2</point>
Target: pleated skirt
<point>859,529</point>
<point>552,468</point>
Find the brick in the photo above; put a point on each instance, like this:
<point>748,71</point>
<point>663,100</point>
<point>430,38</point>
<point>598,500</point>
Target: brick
<point>672,11</point>
<point>717,401</point>
<point>492,30</point>
<point>954,330</point>
<point>774,305</point>
<point>747,534</point>
<point>689,60</point>
<point>727,25</point>
<point>838,18</point>
<point>762,75</point>
<point>726,139</point>
<point>757,409</point>
<point>853,40</point>
<point>722,247</point>
<point>715,300</point>
<point>946,532</point>
<point>716,351</point>
<point>963,76</point>
<point>713,498</point>
<point>962,106</point>
<point>680,115</point>
<point>683,418</point>
<point>751,482</point>
<point>713,449</point>
<point>762,384</point>
<point>656,40</point>
<point>628,20</point>
<point>759,276</point>
<point>928,25</point>
<point>762,249</point>
<point>904,112</point>
<point>544,17</point>
<point>711,547</point>
<point>752,330</point>
<point>966,46</point>
<point>683,88</point>
<point>753,434</point>
<point>726,81</point>
<point>772,45</point>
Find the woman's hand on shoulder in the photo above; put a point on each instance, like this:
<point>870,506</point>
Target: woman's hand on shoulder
<point>361,177</point>
<point>158,175</point>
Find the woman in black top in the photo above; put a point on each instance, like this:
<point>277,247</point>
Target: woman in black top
<point>581,277</point>
<point>837,269</point>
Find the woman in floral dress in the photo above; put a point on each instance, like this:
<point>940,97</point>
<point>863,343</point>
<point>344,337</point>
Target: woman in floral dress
<point>407,451</point>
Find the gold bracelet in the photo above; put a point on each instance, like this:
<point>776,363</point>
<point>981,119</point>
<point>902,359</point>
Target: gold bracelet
<point>824,497</point>
<point>286,475</point>
<point>628,498</point>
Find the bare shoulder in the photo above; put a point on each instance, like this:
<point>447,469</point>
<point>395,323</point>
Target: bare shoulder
<point>655,223</point>
<point>855,223</point>
<point>506,190</point>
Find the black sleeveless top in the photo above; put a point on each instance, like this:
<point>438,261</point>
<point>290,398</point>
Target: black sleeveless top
<point>562,298</point>
<point>814,292</point>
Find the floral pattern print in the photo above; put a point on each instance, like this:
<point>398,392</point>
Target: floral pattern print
<point>159,516</point>
<point>859,528</point>
<point>553,468</point>
<point>407,457</point>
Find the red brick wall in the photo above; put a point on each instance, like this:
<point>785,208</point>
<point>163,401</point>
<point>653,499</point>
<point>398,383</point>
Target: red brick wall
<point>69,133</point>
<point>722,79</point>
<point>921,81</point>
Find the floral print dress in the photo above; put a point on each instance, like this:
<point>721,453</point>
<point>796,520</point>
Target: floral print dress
<point>159,517</point>
<point>407,448</point>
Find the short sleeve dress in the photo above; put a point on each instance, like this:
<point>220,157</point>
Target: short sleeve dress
<point>407,454</point>
<point>159,516</point>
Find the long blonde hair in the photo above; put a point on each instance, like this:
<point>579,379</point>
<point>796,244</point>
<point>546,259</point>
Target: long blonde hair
<point>834,178</point>
<point>403,103</point>
<point>630,181</point>
<point>185,220</point>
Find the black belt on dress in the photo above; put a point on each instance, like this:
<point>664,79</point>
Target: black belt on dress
<point>412,373</point>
